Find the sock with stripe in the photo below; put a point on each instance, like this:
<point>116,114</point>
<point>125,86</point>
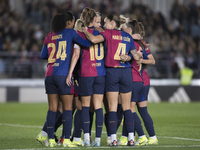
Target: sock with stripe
<point>99,122</point>
<point>51,123</point>
<point>67,123</point>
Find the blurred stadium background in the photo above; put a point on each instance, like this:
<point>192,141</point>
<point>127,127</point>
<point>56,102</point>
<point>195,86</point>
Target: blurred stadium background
<point>172,31</point>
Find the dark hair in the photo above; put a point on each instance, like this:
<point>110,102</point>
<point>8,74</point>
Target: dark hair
<point>119,20</point>
<point>142,31</point>
<point>58,22</point>
<point>87,16</point>
<point>136,28</point>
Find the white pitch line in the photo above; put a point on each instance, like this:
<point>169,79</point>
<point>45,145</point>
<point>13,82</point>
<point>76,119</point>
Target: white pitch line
<point>27,126</point>
<point>179,138</point>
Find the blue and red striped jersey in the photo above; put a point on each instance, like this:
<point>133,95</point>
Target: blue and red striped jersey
<point>57,49</point>
<point>92,58</point>
<point>118,43</point>
<point>137,69</point>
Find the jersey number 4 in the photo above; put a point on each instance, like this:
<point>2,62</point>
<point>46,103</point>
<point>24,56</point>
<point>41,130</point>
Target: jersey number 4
<point>121,50</point>
<point>61,48</point>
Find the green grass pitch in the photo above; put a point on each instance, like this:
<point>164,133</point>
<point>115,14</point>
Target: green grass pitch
<point>177,126</point>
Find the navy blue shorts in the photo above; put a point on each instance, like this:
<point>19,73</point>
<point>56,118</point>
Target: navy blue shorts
<point>145,93</point>
<point>57,85</point>
<point>92,85</point>
<point>137,91</point>
<point>119,80</point>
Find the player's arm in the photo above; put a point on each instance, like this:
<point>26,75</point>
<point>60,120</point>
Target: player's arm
<point>44,53</point>
<point>135,55</point>
<point>74,60</point>
<point>94,39</point>
<point>149,61</point>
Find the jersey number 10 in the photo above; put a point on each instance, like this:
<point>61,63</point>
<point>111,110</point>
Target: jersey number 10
<point>94,52</point>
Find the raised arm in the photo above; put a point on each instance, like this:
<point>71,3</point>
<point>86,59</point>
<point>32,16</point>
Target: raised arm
<point>94,39</point>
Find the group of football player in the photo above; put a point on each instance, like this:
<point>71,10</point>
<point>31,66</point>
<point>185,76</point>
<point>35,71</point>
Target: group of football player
<point>89,66</point>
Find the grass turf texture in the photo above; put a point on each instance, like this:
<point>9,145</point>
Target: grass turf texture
<point>177,126</point>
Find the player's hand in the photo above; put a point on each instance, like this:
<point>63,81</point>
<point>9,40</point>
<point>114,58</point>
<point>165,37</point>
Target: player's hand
<point>84,29</point>
<point>137,36</point>
<point>140,54</point>
<point>69,80</point>
<point>139,62</point>
<point>124,57</point>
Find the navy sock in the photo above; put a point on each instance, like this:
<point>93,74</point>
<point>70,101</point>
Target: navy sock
<point>129,120</point>
<point>45,127</point>
<point>91,114</point>
<point>99,122</point>
<point>67,123</point>
<point>112,122</point>
<point>124,130</point>
<point>138,125</point>
<point>119,115</point>
<point>77,124</point>
<point>106,124</point>
<point>148,122</point>
<point>58,120</point>
<point>85,119</point>
<point>51,123</point>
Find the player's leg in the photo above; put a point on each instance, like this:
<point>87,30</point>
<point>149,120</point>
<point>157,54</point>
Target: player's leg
<point>128,116</point>
<point>112,98</point>
<point>91,114</point>
<point>78,123</point>
<point>125,96</point>
<point>106,108</point>
<point>51,116</point>
<point>99,89</point>
<point>137,89</point>
<point>67,101</point>
<point>148,122</point>
<point>119,113</point>
<point>86,90</point>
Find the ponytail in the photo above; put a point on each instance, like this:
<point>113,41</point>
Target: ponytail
<point>87,16</point>
<point>58,22</point>
<point>136,29</point>
<point>119,19</point>
<point>78,25</point>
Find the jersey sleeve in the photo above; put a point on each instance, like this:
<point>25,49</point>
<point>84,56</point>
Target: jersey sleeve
<point>44,53</point>
<point>105,34</point>
<point>79,40</point>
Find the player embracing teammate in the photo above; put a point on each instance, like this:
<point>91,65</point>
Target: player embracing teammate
<point>104,67</point>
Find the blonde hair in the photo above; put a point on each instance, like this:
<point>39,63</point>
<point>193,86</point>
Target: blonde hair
<point>87,16</point>
<point>123,19</point>
<point>119,19</point>
<point>78,25</point>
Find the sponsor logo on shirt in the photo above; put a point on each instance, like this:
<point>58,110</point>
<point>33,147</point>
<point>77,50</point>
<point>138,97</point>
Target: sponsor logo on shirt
<point>96,64</point>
